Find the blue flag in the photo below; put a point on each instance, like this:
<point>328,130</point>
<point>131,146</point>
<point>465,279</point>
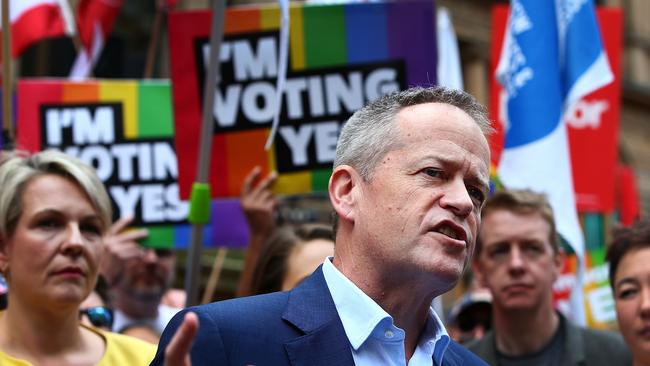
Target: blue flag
<point>552,56</point>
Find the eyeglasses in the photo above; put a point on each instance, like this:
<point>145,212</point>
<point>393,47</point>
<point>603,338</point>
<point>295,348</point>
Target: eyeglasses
<point>99,316</point>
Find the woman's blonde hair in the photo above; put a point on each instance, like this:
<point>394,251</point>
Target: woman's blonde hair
<point>19,168</point>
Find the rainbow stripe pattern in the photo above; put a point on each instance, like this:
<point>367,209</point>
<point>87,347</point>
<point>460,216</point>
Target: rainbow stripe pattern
<point>321,36</point>
<point>147,115</point>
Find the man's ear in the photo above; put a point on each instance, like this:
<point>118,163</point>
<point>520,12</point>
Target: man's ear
<point>559,259</point>
<point>342,188</point>
<point>477,271</point>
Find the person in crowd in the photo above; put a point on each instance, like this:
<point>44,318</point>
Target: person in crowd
<point>3,292</point>
<point>471,316</point>
<point>137,279</point>
<point>277,258</point>
<point>54,212</point>
<point>629,276</point>
<point>142,331</point>
<point>410,177</point>
<point>95,310</point>
<point>292,253</point>
<point>96,313</point>
<point>174,298</point>
<point>518,258</point>
<point>259,205</point>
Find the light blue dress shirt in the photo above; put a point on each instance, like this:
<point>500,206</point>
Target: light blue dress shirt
<point>373,337</point>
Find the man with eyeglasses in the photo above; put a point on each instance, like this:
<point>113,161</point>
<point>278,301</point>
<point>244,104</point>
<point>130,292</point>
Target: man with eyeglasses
<point>518,258</point>
<point>137,278</point>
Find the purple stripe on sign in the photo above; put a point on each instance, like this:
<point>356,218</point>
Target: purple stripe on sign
<point>229,225</point>
<point>412,37</point>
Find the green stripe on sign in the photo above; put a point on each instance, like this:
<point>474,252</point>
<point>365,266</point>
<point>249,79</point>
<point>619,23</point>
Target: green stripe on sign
<point>597,257</point>
<point>325,36</point>
<point>155,110</point>
<point>320,179</point>
<point>159,237</point>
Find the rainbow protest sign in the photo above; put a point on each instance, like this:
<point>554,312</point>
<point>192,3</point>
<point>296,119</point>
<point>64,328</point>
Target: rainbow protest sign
<point>125,130</point>
<point>340,57</point>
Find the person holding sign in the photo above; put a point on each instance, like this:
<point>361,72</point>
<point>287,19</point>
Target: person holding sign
<point>138,278</point>
<point>518,258</point>
<point>409,181</point>
<point>629,276</point>
<point>54,212</point>
<point>259,206</point>
<point>277,258</point>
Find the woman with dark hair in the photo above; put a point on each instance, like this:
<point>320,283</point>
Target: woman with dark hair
<point>629,276</point>
<point>277,259</point>
<point>290,255</point>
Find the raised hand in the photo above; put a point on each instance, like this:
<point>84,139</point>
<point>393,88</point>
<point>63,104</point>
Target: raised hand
<point>120,245</point>
<point>177,352</point>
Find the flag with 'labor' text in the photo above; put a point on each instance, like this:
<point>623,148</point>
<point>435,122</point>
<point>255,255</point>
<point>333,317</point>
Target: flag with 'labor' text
<point>551,57</point>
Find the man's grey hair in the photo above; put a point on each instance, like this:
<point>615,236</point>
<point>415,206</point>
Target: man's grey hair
<point>371,132</point>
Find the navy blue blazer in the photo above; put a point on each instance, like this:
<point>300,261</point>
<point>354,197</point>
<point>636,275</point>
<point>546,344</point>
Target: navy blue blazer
<point>299,327</point>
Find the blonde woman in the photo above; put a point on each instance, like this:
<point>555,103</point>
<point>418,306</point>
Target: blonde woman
<point>54,212</point>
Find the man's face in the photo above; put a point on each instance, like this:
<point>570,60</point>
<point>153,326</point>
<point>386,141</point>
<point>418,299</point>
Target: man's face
<point>148,277</point>
<point>517,261</point>
<point>420,211</point>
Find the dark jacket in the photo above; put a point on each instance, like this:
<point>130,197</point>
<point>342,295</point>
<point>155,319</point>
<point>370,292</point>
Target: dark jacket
<point>582,346</point>
<point>299,327</point>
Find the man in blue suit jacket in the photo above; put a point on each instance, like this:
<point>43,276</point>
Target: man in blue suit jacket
<point>409,181</point>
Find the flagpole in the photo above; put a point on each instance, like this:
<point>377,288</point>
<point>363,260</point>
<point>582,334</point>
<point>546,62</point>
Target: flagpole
<point>8,124</point>
<point>200,196</point>
<point>153,42</point>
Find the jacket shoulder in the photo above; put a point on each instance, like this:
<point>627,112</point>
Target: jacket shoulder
<point>483,347</point>
<point>236,331</point>
<point>459,355</point>
<point>605,345</point>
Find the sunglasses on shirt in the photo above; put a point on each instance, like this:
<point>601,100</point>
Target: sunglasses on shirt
<point>99,316</point>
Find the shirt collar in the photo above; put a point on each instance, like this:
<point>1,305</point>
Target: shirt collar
<point>360,315</point>
<point>434,338</point>
<point>358,312</point>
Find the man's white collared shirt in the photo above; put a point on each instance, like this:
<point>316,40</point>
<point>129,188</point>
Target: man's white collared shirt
<point>374,338</point>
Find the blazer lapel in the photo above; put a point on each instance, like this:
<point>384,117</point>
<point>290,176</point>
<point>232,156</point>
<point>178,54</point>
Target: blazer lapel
<point>311,309</point>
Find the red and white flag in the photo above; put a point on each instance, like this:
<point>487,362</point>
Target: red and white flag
<point>95,19</point>
<point>33,20</point>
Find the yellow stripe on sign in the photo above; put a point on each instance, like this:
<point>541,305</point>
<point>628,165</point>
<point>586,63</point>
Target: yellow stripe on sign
<point>289,183</point>
<point>296,38</point>
<point>269,18</point>
<point>126,93</point>
<point>293,183</point>
<point>273,167</point>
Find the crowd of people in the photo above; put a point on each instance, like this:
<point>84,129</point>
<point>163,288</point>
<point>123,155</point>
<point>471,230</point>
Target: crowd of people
<point>413,212</point>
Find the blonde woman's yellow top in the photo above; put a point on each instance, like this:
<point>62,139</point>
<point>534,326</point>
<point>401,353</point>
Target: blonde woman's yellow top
<point>120,350</point>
